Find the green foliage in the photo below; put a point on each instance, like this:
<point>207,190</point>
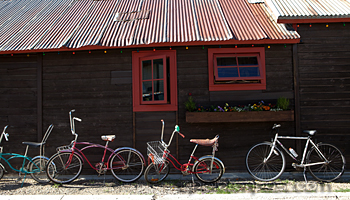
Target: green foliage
<point>190,105</point>
<point>283,103</point>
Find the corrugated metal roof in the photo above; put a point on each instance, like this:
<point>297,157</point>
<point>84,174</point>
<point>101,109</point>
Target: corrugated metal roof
<point>310,8</point>
<point>56,24</point>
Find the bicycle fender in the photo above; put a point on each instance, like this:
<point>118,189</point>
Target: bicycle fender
<point>210,156</point>
<point>44,157</point>
<point>3,167</point>
<point>129,148</point>
<point>75,152</point>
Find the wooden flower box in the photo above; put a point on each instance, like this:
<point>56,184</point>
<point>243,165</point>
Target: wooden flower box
<point>252,116</point>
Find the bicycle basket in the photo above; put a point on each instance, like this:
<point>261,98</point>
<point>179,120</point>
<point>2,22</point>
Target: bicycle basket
<point>63,148</point>
<point>155,151</point>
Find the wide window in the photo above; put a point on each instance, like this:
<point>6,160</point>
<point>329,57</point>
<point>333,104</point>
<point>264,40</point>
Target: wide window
<point>236,69</point>
<point>154,81</point>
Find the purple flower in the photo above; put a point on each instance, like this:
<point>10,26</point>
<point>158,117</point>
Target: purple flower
<point>221,109</point>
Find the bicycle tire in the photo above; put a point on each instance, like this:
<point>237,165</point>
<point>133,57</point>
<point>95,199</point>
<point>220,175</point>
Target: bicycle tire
<point>156,173</point>
<point>202,170</point>
<point>127,165</point>
<point>263,170</point>
<point>37,170</point>
<point>58,173</point>
<point>330,171</point>
<point>2,171</point>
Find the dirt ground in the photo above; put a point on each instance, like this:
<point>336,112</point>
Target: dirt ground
<point>13,186</point>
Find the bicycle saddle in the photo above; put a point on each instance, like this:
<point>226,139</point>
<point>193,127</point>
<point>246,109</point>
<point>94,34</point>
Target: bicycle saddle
<point>310,132</point>
<point>205,142</point>
<point>108,138</point>
<point>33,144</point>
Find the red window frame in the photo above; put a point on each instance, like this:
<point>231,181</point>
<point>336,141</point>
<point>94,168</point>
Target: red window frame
<point>153,101</point>
<point>214,83</point>
<point>168,104</point>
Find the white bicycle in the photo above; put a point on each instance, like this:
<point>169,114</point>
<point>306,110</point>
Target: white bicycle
<point>266,162</point>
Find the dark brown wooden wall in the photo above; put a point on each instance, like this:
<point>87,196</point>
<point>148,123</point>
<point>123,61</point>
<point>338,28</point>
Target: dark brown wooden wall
<point>98,87</point>
<point>324,68</point>
<point>18,86</point>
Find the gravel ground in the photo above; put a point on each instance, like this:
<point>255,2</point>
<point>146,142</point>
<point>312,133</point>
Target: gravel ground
<point>12,186</point>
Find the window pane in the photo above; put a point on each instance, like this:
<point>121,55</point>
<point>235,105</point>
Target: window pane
<point>226,61</point>
<point>146,70</point>
<point>228,72</point>
<point>147,91</point>
<point>158,69</point>
<point>247,61</point>
<point>249,71</point>
<point>158,90</point>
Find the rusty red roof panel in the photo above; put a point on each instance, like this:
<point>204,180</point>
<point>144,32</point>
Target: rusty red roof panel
<point>267,23</point>
<point>57,24</point>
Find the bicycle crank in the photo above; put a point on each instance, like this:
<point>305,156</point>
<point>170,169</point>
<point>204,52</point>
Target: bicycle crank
<point>101,168</point>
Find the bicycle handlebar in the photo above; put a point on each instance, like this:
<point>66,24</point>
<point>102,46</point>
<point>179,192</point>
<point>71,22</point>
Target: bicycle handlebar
<point>6,135</point>
<point>72,126</point>
<point>182,135</point>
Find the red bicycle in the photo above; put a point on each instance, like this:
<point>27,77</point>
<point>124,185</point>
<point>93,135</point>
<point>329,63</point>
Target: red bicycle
<point>207,169</point>
<point>127,164</point>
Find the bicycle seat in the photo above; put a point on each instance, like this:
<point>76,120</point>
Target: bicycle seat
<point>310,132</point>
<point>205,142</point>
<point>33,144</point>
<point>108,138</point>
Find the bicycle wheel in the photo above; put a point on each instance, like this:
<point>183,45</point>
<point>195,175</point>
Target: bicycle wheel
<point>156,173</point>
<point>202,170</point>
<point>328,171</point>
<point>127,165</point>
<point>262,169</point>
<point>37,170</point>
<point>64,168</point>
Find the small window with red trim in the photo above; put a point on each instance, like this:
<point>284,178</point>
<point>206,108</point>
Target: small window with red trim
<point>154,81</point>
<point>236,69</point>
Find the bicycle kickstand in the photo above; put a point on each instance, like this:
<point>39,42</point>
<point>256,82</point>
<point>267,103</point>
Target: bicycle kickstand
<point>304,174</point>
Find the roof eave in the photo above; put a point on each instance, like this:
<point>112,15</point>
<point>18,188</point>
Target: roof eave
<point>154,45</point>
<point>308,19</point>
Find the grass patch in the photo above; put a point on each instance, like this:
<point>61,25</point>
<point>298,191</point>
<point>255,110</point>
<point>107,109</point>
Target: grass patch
<point>56,185</point>
<point>343,190</point>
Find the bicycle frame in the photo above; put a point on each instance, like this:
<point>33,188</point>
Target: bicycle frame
<point>13,156</point>
<point>80,153</point>
<point>308,141</point>
<point>182,167</point>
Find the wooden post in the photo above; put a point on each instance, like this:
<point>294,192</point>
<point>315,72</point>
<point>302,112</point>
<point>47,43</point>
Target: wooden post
<point>39,77</point>
<point>296,95</point>
<point>134,130</point>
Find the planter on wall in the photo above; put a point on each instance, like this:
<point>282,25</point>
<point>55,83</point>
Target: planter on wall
<point>252,116</point>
